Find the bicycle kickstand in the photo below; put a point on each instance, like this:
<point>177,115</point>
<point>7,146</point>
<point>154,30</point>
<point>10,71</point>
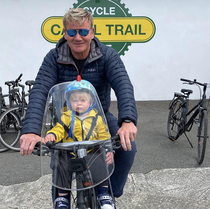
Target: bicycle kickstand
<point>188,140</point>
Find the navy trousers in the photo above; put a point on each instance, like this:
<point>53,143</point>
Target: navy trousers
<point>123,159</point>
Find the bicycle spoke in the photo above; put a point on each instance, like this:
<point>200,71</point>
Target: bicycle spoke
<point>10,136</point>
<point>175,118</point>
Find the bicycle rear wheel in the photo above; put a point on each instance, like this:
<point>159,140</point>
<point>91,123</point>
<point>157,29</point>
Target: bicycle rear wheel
<point>12,129</point>
<point>202,135</point>
<point>175,118</point>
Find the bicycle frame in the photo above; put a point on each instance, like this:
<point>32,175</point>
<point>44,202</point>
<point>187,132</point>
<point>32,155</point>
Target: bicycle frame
<point>201,105</point>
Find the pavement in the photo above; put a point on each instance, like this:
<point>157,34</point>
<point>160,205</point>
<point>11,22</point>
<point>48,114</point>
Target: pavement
<point>165,174</point>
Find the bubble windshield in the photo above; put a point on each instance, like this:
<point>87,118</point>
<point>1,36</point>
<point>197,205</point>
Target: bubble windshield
<point>75,122</point>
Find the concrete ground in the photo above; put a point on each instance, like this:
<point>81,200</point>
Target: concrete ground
<point>165,174</point>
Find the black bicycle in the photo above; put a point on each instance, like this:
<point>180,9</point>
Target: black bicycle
<point>13,94</point>
<point>181,118</point>
<point>13,98</point>
<point>80,183</point>
<point>12,115</point>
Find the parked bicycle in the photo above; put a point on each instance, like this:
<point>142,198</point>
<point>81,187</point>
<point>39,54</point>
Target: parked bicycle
<point>13,97</point>
<point>12,115</point>
<point>13,94</point>
<point>182,118</point>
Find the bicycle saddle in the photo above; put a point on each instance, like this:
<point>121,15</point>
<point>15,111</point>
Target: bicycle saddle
<point>188,91</point>
<point>29,82</point>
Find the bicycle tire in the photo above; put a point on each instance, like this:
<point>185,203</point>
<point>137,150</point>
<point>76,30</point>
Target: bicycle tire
<point>2,126</point>
<point>13,131</point>
<point>175,119</point>
<point>202,135</point>
<point>91,198</point>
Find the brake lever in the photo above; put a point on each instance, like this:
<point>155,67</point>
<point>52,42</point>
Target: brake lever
<point>116,142</point>
<point>116,145</point>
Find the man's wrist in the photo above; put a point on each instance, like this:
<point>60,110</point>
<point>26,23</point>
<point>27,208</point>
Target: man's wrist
<point>127,120</point>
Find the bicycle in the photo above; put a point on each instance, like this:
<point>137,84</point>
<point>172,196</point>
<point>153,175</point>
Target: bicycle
<point>77,158</point>
<point>11,119</point>
<point>13,94</point>
<point>181,118</point>
<point>83,194</point>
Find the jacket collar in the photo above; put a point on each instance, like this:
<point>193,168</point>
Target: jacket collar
<point>65,56</point>
<point>68,112</point>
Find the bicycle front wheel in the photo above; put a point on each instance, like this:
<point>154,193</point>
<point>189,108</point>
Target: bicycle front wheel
<point>175,119</point>
<point>2,130</point>
<point>202,135</point>
<point>90,198</point>
<point>12,129</point>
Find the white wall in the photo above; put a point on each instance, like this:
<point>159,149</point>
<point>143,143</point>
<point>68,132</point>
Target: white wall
<point>180,47</point>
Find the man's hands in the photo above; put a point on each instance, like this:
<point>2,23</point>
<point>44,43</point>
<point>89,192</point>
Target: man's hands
<point>127,134</point>
<point>27,143</point>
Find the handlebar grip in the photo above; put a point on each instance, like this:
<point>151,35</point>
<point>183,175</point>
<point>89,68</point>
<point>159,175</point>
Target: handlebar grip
<point>115,142</point>
<point>49,144</point>
<point>41,149</point>
<point>186,80</point>
<point>18,79</point>
<point>115,138</point>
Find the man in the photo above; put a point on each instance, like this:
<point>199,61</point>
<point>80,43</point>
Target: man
<point>79,53</point>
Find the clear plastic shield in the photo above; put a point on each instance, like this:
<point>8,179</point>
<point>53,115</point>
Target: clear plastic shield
<point>76,127</point>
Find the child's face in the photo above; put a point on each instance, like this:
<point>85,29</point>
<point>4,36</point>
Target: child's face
<point>80,101</point>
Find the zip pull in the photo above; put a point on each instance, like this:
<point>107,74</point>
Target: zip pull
<point>78,78</point>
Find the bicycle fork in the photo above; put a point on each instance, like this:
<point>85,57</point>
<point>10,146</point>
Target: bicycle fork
<point>193,120</point>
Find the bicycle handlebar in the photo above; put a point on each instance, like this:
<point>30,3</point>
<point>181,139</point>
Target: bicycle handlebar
<point>15,83</point>
<point>193,82</point>
<point>42,149</point>
<point>18,79</point>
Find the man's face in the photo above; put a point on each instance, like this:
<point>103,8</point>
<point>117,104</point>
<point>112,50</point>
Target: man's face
<point>80,45</point>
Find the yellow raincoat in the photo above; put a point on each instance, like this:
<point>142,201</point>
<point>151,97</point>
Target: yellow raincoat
<point>81,127</point>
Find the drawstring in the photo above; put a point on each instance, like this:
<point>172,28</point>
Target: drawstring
<point>72,125</point>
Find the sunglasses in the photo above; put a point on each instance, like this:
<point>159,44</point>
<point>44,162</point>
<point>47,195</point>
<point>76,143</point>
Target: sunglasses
<point>82,32</point>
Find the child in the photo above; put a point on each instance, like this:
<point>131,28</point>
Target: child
<point>80,122</point>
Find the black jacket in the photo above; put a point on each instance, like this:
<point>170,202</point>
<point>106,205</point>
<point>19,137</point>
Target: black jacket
<point>103,68</point>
